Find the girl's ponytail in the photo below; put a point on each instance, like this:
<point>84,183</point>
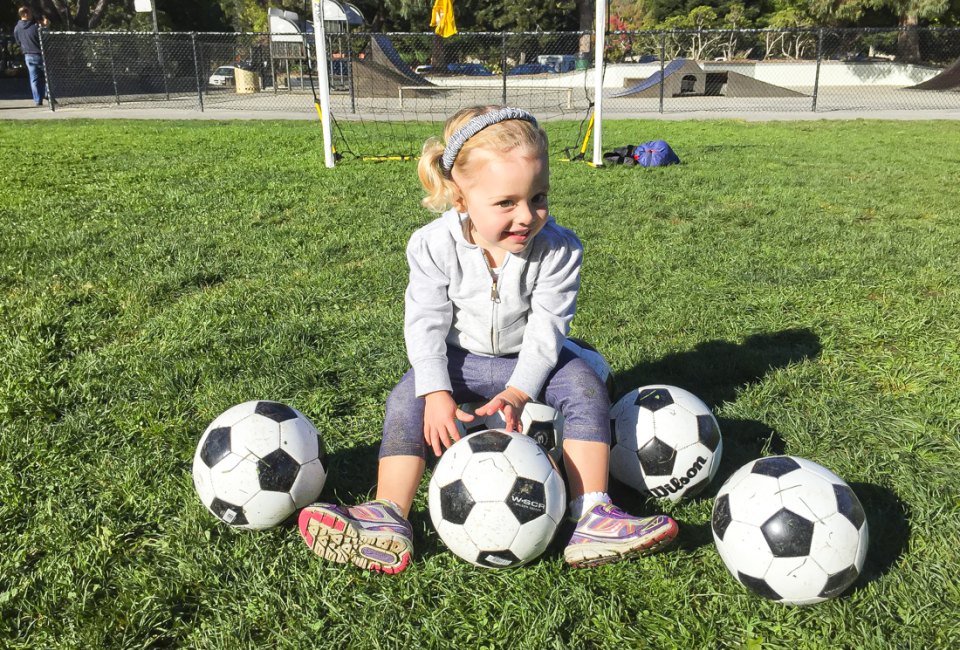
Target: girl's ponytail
<point>438,187</point>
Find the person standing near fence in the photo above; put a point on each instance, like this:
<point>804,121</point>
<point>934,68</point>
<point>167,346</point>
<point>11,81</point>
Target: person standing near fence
<point>27,35</point>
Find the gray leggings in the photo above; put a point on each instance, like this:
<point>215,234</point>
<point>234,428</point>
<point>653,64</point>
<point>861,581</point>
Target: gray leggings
<point>573,388</point>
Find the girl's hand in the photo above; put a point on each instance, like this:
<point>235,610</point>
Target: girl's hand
<point>439,421</point>
<point>510,402</point>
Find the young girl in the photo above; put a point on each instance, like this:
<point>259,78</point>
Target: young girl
<point>492,290</point>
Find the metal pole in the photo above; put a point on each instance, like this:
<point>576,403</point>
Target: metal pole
<point>503,66</point>
<point>663,54</point>
<point>156,37</point>
<point>353,94</point>
<point>816,79</point>
<point>113,72</point>
<point>196,69</point>
<point>273,68</point>
<point>46,76</point>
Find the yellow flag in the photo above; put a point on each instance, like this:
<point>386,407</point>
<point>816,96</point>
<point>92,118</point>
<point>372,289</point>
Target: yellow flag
<point>442,18</point>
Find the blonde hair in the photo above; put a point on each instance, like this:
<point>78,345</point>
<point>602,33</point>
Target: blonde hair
<point>501,137</point>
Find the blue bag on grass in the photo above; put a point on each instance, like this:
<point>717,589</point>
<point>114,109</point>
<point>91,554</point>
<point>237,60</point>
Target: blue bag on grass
<point>655,153</point>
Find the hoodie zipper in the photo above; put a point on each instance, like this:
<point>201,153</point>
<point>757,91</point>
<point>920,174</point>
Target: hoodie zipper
<point>495,299</point>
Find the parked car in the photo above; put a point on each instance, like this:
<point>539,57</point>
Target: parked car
<point>529,68</point>
<point>222,76</point>
<point>470,69</point>
<point>423,69</point>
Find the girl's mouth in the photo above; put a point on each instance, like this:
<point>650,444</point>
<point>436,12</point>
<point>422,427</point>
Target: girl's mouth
<point>517,235</point>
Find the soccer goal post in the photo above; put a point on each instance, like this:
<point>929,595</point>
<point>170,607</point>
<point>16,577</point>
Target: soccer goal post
<point>323,81</point>
<point>599,45</point>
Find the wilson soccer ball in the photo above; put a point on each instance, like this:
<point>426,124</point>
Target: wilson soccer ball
<point>790,530</point>
<point>541,422</point>
<point>257,463</point>
<point>496,499</point>
<point>594,359</point>
<point>666,442</point>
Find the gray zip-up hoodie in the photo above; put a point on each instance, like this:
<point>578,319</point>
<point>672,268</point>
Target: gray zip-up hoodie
<point>452,298</point>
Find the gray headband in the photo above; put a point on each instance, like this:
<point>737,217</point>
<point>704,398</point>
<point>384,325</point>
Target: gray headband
<point>474,126</point>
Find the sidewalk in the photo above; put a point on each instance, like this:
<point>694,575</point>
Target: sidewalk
<point>15,109</point>
<point>16,104</point>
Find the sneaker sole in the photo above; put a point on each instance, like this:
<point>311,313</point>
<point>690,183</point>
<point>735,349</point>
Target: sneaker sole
<point>598,553</point>
<point>336,538</point>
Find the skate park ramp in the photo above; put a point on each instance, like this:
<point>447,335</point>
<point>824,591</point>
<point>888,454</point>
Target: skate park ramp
<point>383,72</point>
<point>948,79</point>
<point>685,78</point>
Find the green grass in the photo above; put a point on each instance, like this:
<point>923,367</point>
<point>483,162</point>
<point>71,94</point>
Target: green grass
<point>802,278</point>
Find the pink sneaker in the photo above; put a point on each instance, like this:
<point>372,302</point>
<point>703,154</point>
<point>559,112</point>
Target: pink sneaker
<point>607,534</point>
<point>372,535</point>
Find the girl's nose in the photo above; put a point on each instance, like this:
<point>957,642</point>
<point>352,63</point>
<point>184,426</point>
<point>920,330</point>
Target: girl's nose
<point>526,214</point>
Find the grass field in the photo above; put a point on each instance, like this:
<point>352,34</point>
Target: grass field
<point>802,278</point>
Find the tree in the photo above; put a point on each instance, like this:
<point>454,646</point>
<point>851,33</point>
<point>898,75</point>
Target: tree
<point>76,14</point>
<point>791,43</point>
<point>909,14</point>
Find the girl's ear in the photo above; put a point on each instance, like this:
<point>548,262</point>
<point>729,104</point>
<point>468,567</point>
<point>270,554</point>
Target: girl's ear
<point>458,203</point>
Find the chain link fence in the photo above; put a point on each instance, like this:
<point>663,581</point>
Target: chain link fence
<point>377,78</point>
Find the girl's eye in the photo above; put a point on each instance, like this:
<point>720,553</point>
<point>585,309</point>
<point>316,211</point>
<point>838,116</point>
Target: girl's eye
<point>506,203</point>
<point>540,198</point>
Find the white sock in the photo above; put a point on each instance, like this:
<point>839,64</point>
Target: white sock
<point>585,503</point>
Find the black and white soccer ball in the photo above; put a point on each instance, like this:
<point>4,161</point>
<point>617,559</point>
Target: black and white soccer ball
<point>541,422</point>
<point>496,499</point>
<point>257,463</point>
<point>790,530</point>
<point>665,442</point>
<point>595,360</point>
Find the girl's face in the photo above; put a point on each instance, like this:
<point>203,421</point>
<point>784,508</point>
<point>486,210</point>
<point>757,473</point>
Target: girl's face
<point>506,198</point>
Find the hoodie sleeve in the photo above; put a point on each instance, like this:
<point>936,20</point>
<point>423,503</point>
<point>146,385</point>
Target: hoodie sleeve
<point>427,317</point>
<point>552,306</point>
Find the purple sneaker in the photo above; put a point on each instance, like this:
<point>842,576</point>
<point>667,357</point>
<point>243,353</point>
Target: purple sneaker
<point>607,534</point>
<point>372,535</point>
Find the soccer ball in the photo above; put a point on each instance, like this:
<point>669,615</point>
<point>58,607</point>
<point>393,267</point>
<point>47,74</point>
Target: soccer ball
<point>541,422</point>
<point>545,425</point>
<point>666,442</point>
<point>480,423</point>
<point>257,463</point>
<point>594,359</point>
<point>496,499</point>
<point>790,530</point>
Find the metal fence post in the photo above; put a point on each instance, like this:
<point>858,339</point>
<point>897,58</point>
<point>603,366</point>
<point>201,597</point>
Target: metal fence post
<point>163,71</point>
<point>273,68</point>
<point>353,93</point>
<point>46,76</point>
<point>196,69</point>
<point>113,72</point>
<point>816,79</point>
<point>663,53</point>
<point>503,66</point>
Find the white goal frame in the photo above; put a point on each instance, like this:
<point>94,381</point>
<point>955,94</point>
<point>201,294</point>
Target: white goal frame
<point>320,41</point>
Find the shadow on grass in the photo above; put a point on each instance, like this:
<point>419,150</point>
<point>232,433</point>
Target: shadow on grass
<point>351,475</point>
<point>888,518</point>
<point>714,371</point>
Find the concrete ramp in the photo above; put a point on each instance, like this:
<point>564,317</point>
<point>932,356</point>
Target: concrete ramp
<point>383,72</point>
<point>642,88</point>
<point>383,53</point>
<point>375,80</point>
<point>948,79</point>
<point>684,78</point>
